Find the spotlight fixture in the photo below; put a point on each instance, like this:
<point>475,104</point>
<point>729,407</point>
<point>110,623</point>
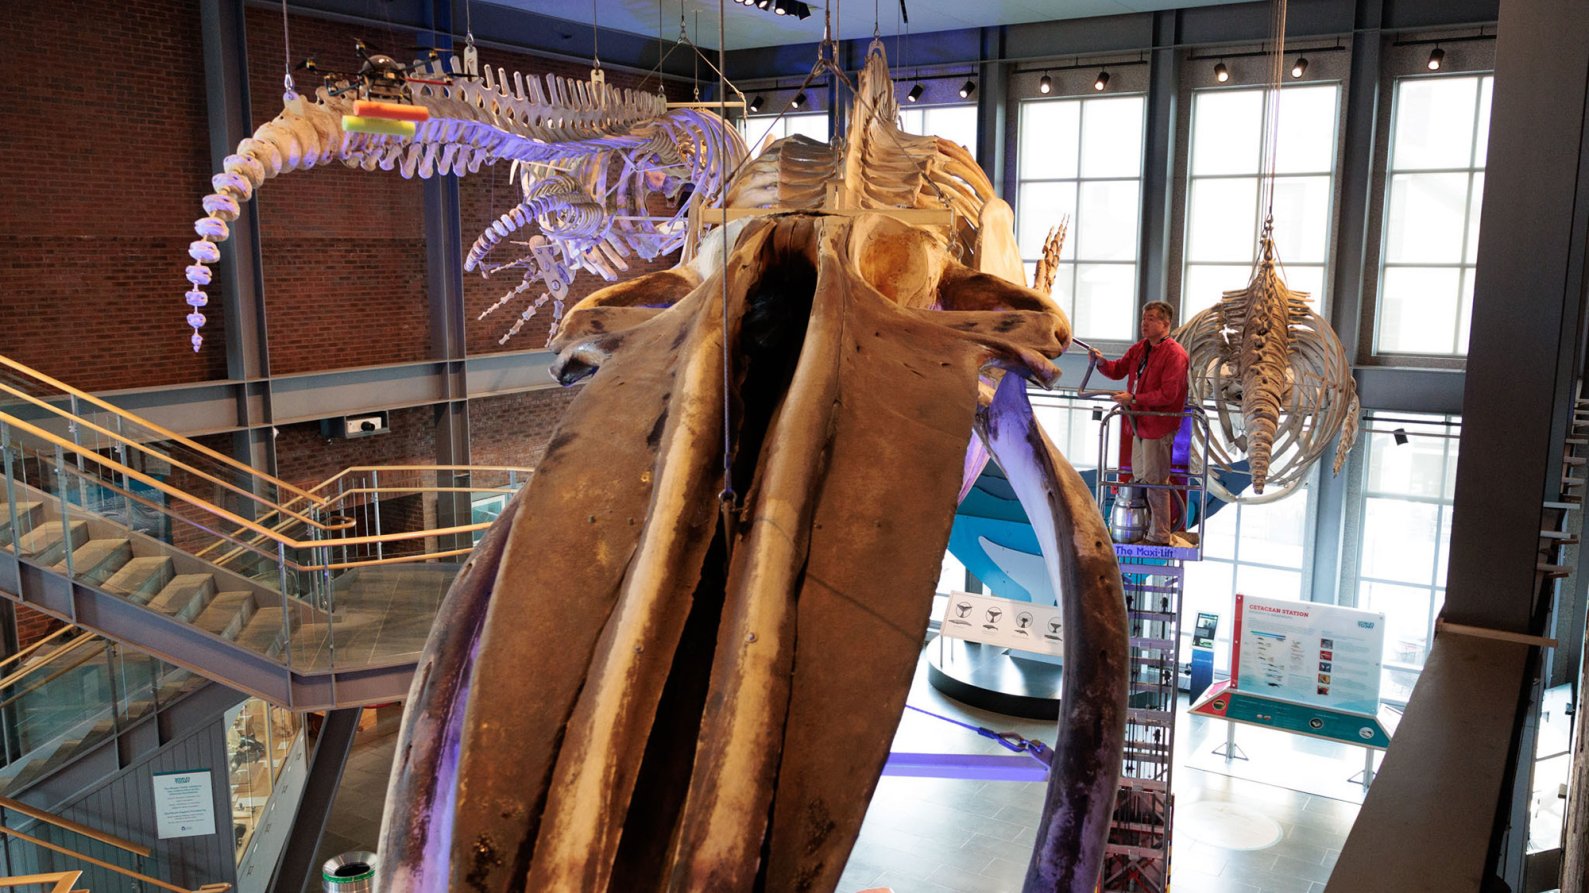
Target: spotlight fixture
<point>966,89</point>
<point>1102,81</point>
<point>802,11</point>
<point>780,7</point>
<point>1400,435</point>
<point>1300,68</point>
<point>763,4</point>
<point>1046,85</point>
<point>1436,57</point>
<point>1221,73</point>
<point>914,94</point>
<point>799,100</point>
<point>755,104</point>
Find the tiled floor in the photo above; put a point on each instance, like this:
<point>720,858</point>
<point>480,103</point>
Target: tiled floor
<point>936,835</point>
<point>384,616</point>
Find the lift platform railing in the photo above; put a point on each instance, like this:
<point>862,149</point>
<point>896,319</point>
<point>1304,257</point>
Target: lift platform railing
<point>1189,475</point>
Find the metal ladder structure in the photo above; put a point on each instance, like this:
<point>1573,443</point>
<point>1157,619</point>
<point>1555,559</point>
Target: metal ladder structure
<point>1137,859</point>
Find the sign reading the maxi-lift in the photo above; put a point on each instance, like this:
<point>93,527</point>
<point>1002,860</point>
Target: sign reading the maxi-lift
<point>184,804</point>
<point>1003,622</point>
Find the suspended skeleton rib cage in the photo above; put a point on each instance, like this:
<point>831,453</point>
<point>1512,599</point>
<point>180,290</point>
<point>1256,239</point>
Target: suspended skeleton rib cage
<point>1278,379</point>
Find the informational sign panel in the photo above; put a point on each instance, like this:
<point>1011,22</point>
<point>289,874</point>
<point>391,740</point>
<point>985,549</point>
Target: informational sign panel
<point>184,804</point>
<point>1310,653</point>
<point>1003,622</point>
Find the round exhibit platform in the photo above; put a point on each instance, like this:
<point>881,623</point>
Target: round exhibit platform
<point>994,678</point>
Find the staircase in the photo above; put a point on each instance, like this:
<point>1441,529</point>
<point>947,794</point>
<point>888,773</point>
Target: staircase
<point>230,627</point>
<point>295,596</point>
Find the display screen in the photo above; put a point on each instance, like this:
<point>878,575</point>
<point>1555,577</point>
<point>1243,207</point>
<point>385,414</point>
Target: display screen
<point>1203,634</point>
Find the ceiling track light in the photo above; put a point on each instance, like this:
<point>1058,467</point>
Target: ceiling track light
<point>799,100</point>
<point>915,93</point>
<point>1046,85</point>
<point>1300,68</point>
<point>755,104</point>
<point>1221,73</point>
<point>1101,82</point>
<point>1437,57</point>
<point>780,7</point>
<point>966,89</point>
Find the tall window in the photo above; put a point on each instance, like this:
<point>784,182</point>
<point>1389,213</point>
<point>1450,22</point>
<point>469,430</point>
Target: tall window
<point>812,124</point>
<point>1405,538</point>
<point>1082,157</point>
<point>1223,214</point>
<point>955,123</point>
<point>1435,180</point>
<point>1258,550</point>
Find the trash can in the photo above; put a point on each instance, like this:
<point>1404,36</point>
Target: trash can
<point>349,873</point>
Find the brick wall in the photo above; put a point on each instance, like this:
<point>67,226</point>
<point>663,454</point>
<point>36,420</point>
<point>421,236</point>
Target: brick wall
<point>106,157</point>
<point>101,179</point>
<point>305,458</point>
<point>514,429</point>
<point>343,251</point>
<point>34,625</point>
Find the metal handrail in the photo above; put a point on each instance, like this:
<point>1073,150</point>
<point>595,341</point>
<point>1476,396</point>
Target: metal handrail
<point>215,510</point>
<point>36,645</point>
<point>158,429</point>
<point>174,462</point>
<point>341,497</point>
<point>50,818</point>
<point>326,544</point>
<point>64,650</point>
<point>126,872</point>
<point>63,881</point>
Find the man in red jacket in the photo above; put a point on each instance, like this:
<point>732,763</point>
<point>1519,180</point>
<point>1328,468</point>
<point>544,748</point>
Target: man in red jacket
<point>1155,373</point>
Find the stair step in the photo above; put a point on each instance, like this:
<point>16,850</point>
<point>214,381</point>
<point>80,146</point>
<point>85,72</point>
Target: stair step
<point>263,631</point>
<point>29,514</point>
<point>98,560</point>
<point>185,596</point>
<point>46,543</point>
<point>140,578</point>
<point>227,614</point>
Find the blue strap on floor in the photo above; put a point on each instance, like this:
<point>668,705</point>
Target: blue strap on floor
<point>1033,748</point>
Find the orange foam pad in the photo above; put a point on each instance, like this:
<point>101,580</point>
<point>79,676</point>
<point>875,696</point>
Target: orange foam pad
<point>394,111</point>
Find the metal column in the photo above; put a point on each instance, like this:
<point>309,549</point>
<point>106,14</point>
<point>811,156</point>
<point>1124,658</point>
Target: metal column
<point>239,275</point>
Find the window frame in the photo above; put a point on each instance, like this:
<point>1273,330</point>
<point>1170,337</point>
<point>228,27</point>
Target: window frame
<point>1448,428</point>
<point>1402,60</point>
<point>1182,262</point>
<point>1465,268</point>
<point>1068,255</point>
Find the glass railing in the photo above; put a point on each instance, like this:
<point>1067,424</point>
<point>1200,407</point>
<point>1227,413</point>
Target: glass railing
<point>71,694</point>
<point>360,592</point>
<point>92,423</point>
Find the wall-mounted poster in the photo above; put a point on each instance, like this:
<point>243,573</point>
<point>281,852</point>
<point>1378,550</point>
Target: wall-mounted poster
<point>1003,622</point>
<point>1311,653</point>
<point>184,804</point>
